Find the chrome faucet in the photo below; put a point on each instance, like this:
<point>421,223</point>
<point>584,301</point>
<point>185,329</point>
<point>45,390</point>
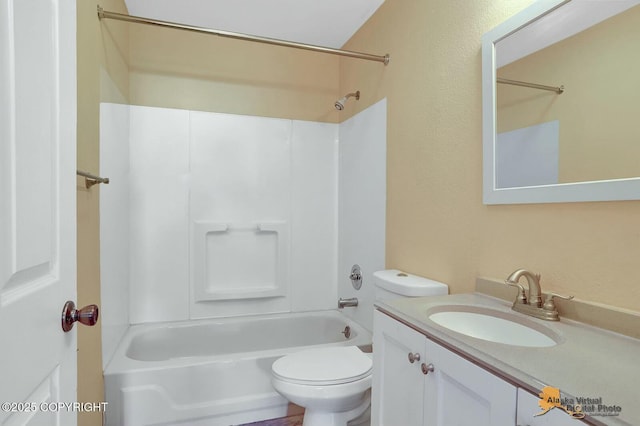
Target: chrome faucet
<point>533,304</point>
<point>350,302</point>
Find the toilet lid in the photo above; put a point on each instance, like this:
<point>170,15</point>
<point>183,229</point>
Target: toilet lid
<point>323,366</point>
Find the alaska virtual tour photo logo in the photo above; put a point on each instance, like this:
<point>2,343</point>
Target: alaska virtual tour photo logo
<point>577,407</point>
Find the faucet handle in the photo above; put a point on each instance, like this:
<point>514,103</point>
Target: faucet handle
<point>549,304</point>
<point>522,297</point>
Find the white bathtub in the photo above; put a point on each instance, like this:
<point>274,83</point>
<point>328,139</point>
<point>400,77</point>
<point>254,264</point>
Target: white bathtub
<point>212,372</point>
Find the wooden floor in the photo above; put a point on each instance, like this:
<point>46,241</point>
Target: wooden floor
<point>295,420</point>
<point>293,417</point>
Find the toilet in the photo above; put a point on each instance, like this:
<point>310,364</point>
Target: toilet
<point>333,383</point>
<point>394,284</point>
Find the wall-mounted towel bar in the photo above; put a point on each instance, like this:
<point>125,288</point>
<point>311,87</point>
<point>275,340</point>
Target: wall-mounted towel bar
<point>559,90</point>
<point>90,180</point>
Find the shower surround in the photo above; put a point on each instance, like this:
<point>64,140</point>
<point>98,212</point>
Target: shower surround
<point>213,215</point>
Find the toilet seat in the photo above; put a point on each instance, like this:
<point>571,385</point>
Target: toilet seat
<point>323,366</point>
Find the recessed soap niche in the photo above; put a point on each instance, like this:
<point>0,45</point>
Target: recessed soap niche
<point>233,261</point>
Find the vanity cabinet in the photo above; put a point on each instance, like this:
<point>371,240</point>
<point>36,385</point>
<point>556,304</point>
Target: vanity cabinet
<point>398,389</point>
<point>437,388</point>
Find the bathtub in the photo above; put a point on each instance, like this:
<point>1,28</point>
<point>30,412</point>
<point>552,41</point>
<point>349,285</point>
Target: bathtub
<point>212,372</point>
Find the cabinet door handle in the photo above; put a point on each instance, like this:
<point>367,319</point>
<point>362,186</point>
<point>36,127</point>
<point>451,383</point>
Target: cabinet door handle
<point>413,357</point>
<point>426,368</point>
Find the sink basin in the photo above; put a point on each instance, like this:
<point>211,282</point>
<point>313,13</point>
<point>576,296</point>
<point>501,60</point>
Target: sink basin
<point>494,326</point>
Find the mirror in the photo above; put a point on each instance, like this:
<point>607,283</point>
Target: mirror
<point>563,124</point>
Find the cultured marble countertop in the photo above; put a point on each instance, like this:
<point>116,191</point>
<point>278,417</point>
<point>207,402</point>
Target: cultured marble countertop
<point>587,361</point>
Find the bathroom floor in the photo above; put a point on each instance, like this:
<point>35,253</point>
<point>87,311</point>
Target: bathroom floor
<point>295,420</point>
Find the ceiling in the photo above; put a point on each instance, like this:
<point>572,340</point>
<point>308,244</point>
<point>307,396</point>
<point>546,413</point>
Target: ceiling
<point>328,23</point>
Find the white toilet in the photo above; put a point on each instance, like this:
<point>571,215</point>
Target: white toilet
<point>394,284</point>
<point>333,383</point>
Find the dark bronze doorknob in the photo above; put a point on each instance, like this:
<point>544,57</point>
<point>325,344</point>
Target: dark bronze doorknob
<point>87,315</point>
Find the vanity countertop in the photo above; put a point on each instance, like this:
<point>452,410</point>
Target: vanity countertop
<point>587,362</point>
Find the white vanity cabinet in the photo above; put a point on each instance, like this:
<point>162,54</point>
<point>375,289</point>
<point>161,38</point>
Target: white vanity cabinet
<point>456,392</point>
<point>398,389</point>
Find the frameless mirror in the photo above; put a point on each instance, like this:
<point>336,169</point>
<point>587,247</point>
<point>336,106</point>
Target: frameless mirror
<point>561,103</point>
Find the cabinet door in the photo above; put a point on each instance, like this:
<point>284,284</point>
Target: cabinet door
<point>528,407</point>
<point>398,385</point>
<point>460,393</point>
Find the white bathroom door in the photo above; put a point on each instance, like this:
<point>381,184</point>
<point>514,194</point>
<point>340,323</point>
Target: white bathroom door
<point>37,210</point>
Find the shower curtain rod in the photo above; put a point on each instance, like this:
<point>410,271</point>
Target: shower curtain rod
<point>558,90</point>
<point>103,14</point>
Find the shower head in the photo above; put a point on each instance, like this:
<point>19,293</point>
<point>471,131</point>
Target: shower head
<point>340,102</point>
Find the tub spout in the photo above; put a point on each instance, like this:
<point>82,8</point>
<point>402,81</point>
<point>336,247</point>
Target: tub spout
<point>351,302</point>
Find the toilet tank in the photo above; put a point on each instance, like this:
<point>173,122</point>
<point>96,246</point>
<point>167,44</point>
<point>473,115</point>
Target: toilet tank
<point>394,284</point>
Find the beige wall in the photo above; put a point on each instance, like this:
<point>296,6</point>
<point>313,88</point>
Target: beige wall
<point>179,69</point>
<point>100,47</point>
<point>599,132</point>
<point>436,223</point>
